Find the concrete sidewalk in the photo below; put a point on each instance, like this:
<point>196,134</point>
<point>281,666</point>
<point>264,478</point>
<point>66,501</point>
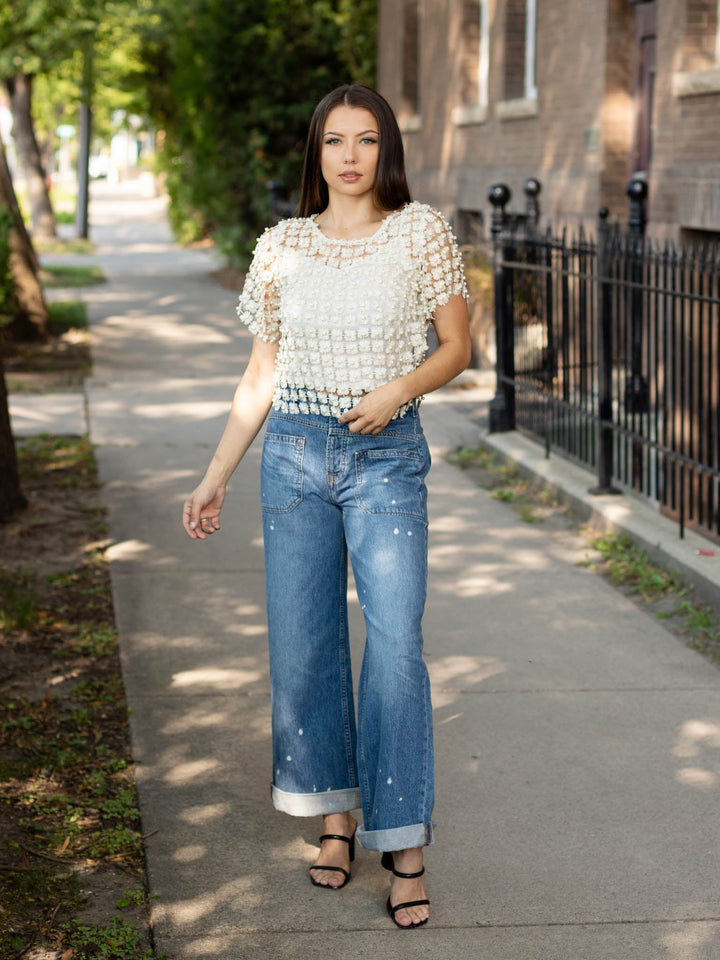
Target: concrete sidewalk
<point>578,743</point>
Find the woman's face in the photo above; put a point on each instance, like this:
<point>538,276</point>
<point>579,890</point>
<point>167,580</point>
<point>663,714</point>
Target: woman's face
<point>350,150</point>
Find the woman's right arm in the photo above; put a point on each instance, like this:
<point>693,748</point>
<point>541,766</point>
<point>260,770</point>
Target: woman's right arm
<point>250,406</point>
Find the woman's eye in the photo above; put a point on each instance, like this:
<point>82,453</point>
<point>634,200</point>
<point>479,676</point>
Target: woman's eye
<point>368,140</point>
<point>331,141</point>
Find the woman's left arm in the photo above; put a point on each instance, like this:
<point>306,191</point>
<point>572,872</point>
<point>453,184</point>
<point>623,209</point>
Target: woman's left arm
<point>375,410</point>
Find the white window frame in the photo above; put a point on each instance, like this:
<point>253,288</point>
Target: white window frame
<point>531,91</point>
<point>477,112</point>
<point>484,61</point>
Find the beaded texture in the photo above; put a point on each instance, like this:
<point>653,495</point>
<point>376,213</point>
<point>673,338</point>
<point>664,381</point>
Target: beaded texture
<point>349,315</point>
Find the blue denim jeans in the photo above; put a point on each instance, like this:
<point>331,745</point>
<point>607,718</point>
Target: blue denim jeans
<point>328,493</point>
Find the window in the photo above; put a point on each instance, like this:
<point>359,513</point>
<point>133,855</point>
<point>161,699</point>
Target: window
<point>411,58</point>
<point>700,50</point>
<point>474,59</point>
<point>520,55</point>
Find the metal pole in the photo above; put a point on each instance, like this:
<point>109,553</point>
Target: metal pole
<point>604,352</point>
<point>83,195</point>
<point>502,406</point>
<point>636,393</point>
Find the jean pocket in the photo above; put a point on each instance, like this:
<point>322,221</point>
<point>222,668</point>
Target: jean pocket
<point>281,473</point>
<point>392,482</point>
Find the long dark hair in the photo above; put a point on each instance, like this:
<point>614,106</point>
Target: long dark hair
<point>391,188</point>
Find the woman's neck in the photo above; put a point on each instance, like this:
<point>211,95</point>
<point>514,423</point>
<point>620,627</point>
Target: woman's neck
<point>346,218</point>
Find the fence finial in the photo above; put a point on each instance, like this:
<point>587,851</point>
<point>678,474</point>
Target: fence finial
<point>532,188</point>
<point>499,196</point>
<point>637,191</point>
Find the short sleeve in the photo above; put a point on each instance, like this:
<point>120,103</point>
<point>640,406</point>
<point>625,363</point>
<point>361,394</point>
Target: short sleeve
<point>258,303</point>
<point>443,275</point>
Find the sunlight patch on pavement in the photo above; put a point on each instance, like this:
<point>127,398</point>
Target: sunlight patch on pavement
<point>205,813</point>
<point>190,854</point>
<point>127,550</point>
<point>198,410</point>
<point>216,678</point>
<point>191,770</point>
<point>463,671</point>
<point>239,894</point>
<point>478,583</point>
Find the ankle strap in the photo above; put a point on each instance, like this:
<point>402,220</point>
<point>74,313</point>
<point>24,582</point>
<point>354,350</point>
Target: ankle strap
<point>335,836</point>
<point>408,876</point>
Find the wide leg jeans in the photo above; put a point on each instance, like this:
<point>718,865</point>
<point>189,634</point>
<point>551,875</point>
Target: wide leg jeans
<point>328,493</point>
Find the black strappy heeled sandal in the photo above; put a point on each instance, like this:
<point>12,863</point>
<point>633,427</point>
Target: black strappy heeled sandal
<point>346,873</point>
<point>388,862</point>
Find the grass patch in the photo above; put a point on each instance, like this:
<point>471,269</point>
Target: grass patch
<point>67,315</point>
<point>71,276</point>
<point>69,820</point>
<point>533,501</point>
<point>629,566</point>
<point>68,460</point>
<point>18,599</point>
<point>77,245</point>
<point>117,941</point>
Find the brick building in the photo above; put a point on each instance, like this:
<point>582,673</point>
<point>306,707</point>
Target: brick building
<point>578,93</point>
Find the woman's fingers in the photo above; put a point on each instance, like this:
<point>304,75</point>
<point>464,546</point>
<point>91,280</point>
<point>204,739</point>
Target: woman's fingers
<point>197,525</point>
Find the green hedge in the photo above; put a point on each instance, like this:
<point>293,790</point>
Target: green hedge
<point>232,87</point>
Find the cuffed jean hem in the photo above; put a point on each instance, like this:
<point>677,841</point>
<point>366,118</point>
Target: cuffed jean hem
<point>316,804</point>
<point>398,838</point>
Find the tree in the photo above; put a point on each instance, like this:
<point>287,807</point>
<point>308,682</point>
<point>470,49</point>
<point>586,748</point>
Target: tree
<point>233,86</point>
<point>29,316</point>
<point>11,497</point>
<point>28,31</point>
<point>35,36</point>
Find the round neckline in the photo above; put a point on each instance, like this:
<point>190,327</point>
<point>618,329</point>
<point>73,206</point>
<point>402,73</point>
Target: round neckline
<point>354,240</point>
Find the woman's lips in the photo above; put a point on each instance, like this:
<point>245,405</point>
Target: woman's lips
<point>350,177</point>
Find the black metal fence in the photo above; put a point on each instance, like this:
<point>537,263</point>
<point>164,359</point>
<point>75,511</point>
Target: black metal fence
<point>608,351</point>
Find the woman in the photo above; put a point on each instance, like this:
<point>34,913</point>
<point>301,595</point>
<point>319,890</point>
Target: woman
<point>339,300</point>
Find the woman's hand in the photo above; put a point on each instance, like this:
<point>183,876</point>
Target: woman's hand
<point>201,512</point>
<point>375,410</point>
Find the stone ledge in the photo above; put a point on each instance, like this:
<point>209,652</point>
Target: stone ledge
<point>517,109</point>
<point>696,84</point>
<point>469,115</point>
<point>411,123</point>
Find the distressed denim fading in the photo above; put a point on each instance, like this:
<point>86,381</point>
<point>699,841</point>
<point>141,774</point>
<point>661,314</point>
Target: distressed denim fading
<point>328,493</point>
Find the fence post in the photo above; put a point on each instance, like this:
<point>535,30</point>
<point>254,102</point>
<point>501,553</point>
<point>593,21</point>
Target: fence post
<point>532,188</point>
<point>502,405</point>
<point>636,389</point>
<point>604,353</point>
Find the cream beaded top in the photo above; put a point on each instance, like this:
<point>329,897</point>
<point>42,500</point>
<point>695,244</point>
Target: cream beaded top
<point>350,315</point>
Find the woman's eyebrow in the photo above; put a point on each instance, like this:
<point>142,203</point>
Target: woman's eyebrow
<point>334,134</point>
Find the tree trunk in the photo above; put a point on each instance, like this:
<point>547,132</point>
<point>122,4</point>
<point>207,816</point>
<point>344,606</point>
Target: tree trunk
<point>19,89</point>
<point>33,323</point>
<point>11,496</point>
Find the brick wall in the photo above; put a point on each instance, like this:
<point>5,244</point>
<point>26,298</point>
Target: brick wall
<point>579,142</point>
<point>685,176</point>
